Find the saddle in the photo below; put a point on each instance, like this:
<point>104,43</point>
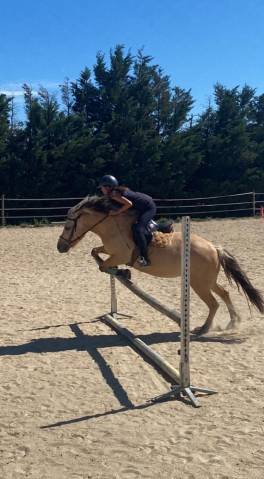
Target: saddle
<point>162,227</point>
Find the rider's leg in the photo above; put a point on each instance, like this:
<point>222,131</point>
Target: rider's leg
<point>140,239</point>
<point>140,230</point>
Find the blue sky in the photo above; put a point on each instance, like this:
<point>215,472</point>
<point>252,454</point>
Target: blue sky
<point>196,42</point>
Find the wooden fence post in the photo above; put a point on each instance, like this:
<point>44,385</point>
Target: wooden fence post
<point>3,210</point>
<point>254,203</point>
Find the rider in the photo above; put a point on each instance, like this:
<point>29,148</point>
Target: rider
<point>141,202</point>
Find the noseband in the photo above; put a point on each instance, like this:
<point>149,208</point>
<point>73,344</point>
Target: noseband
<point>75,226</point>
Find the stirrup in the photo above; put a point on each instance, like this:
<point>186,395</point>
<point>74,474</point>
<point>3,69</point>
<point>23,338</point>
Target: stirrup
<point>143,261</point>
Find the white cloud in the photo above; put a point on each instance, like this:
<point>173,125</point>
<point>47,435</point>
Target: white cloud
<point>15,88</point>
<point>15,93</point>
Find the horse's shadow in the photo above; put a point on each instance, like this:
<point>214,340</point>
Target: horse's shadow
<point>93,345</point>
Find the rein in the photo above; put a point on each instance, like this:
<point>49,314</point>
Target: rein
<point>75,225</point>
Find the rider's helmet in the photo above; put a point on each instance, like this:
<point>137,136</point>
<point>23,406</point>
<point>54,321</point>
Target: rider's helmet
<point>108,180</point>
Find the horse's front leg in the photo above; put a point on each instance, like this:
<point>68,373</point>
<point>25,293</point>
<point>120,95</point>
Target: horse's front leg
<point>110,265</point>
<point>99,249</point>
<point>103,264</point>
<point>112,261</point>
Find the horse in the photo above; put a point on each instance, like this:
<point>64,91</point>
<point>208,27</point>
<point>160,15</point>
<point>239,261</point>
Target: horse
<point>93,214</point>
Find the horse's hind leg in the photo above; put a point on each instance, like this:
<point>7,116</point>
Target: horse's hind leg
<point>225,296</point>
<point>207,297</point>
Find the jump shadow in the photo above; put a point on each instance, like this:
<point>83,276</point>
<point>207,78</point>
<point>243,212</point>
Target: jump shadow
<point>99,415</point>
<point>87,342</point>
<point>81,342</point>
<point>97,319</point>
<point>92,344</point>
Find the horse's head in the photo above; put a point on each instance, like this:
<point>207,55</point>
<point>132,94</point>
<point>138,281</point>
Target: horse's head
<point>83,217</point>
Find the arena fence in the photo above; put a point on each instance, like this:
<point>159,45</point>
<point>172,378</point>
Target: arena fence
<point>50,210</point>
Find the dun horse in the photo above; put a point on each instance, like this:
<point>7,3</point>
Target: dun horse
<point>92,214</point>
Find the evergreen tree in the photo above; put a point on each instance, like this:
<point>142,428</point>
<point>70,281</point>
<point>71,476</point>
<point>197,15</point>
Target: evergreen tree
<point>123,116</point>
<point>4,134</point>
<point>225,142</point>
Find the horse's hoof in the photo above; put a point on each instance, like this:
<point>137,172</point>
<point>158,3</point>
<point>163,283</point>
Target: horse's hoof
<point>125,273</point>
<point>199,331</point>
<point>110,270</point>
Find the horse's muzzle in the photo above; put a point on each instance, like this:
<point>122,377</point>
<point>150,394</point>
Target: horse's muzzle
<point>63,246</point>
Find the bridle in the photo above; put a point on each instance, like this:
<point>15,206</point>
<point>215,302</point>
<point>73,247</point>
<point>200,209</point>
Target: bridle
<point>74,220</point>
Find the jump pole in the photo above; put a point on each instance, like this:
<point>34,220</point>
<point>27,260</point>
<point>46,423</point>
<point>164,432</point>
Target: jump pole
<point>182,377</point>
<point>147,298</point>
<point>138,343</point>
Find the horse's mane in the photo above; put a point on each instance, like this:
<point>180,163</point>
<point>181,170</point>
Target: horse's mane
<point>103,204</point>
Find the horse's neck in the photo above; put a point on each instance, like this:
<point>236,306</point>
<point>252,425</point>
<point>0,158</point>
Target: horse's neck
<point>116,227</point>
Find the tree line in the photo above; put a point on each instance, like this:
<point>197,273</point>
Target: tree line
<point>123,117</point>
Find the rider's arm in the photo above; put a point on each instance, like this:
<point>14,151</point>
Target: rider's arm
<point>126,204</point>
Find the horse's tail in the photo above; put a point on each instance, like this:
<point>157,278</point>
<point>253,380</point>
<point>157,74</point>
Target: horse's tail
<point>234,272</point>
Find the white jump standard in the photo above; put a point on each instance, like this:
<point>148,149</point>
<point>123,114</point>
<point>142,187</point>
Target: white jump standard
<point>182,386</point>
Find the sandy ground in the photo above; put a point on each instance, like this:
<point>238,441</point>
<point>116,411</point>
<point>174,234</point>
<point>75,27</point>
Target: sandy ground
<point>73,395</point>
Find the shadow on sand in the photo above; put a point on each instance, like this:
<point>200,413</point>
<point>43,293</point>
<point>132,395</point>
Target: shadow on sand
<point>92,344</point>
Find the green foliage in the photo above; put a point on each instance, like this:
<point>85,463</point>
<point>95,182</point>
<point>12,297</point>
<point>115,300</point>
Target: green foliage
<point>122,116</point>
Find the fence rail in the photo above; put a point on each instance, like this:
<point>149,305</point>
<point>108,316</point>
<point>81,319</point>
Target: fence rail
<point>18,210</point>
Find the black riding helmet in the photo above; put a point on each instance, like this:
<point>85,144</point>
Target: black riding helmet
<point>108,180</point>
